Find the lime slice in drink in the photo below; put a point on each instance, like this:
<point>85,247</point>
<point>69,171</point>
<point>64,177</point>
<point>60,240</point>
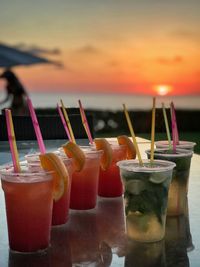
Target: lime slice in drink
<point>135,186</point>
<point>157,178</point>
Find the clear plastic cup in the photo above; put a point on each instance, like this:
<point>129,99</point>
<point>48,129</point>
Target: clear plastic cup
<point>110,184</point>
<point>146,194</point>
<point>85,182</point>
<point>34,157</point>
<point>60,213</point>
<point>29,200</point>
<point>177,199</point>
<point>61,207</point>
<point>182,144</point>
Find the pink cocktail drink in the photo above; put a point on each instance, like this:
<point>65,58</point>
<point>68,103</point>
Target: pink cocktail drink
<point>85,182</point>
<point>110,184</point>
<point>60,212</point>
<point>29,199</point>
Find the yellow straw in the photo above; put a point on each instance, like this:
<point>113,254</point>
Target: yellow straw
<point>12,141</point>
<point>132,134</point>
<point>68,122</point>
<point>167,126</point>
<point>153,129</point>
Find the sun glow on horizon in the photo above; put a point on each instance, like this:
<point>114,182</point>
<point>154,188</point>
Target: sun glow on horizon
<point>163,90</point>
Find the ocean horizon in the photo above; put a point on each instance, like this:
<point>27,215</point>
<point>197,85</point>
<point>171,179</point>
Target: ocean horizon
<point>110,101</point>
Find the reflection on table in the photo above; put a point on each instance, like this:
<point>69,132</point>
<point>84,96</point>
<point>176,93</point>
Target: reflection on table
<point>94,237</point>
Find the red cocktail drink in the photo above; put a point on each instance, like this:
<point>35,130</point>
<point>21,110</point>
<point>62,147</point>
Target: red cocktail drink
<point>61,207</point>
<point>29,199</point>
<point>110,184</point>
<point>85,182</point>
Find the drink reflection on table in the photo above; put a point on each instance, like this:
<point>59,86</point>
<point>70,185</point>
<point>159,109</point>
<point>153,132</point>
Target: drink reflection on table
<point>86,248</point>
<point>60,252</point>
<point>111,222</point>
<point>31,260</point>
<point>178,240</point>
<point>145,254</point>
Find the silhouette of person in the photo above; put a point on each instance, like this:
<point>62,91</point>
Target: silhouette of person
<point>15,92</point>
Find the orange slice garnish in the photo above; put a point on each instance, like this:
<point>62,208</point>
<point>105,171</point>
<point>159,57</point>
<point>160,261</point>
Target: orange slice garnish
<point>51,162</point>
<point>72,150</point>
<point>106,159</point>
<point>130,148</point>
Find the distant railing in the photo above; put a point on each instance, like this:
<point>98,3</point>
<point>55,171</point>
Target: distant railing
<point>50,124</point>
<point>101,122</point>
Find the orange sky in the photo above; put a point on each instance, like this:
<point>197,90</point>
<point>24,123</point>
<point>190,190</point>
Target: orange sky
<point>108,46</point>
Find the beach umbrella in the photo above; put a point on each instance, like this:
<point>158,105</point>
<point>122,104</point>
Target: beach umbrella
<point>10,57</point>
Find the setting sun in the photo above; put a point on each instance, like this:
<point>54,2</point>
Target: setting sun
<point>163,89</point>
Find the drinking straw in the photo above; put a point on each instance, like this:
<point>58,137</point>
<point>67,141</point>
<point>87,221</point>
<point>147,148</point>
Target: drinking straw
<point>12,141</point>
<point>132,134</point>
<point>173,129</point>
<point>64,122</point>
<point>36,127</point>
<point>175,122</point>
<point>153,129</point>
<point>85,122</point>
<point>68,122</point>
<point>166,125</point>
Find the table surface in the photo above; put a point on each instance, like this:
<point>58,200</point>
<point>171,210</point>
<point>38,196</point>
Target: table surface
<point>97,237</point>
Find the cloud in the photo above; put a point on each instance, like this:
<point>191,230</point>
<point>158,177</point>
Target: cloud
<point>185,34</point>
<point>113,63</point>
<point>34,49</point>
<point>170,61</point>
<point>88,49</point>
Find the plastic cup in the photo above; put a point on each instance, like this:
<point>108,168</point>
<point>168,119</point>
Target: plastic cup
<point>34,157</point>
<point>177,199</point>
<point>85,182</point>
<point>28,199</point>
<point>146,194</point>
<point>110,184</point>
<point>60,212</point>
<point>182,144</point>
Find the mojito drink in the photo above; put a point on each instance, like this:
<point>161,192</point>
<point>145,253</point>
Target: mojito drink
<point>182,144</point>
<point>177,200</point>
<point>146,195</point>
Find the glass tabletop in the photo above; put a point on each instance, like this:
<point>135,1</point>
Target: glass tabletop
<point>97,237</point>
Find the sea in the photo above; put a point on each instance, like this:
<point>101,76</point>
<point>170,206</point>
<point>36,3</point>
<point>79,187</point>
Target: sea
<point>102,101</point>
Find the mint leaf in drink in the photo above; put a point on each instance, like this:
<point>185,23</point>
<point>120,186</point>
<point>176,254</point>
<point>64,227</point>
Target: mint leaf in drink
<point>153,200</point>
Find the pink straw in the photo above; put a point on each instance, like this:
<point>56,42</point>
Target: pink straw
<point>85,122</point>
<point>36,127</point>
<point>173,134</point>
<point>175,122</point>
<point>12,141</point>
<point>64,122</point>
<point>173,129</point>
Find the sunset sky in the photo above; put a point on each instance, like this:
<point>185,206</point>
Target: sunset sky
<point>117,46</point>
